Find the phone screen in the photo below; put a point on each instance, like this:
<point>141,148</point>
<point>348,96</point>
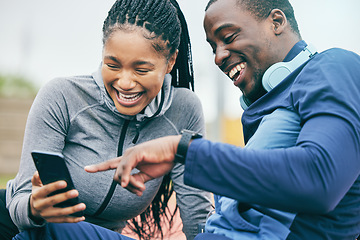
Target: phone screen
<point>52,167</point>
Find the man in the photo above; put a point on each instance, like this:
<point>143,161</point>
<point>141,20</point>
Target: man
<point>307,191</point>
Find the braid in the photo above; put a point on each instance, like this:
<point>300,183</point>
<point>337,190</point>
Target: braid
<point>164,24</point>
<point>148,223</point>
<point>183,71</point>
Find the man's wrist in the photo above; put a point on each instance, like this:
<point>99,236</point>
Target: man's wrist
<point>186,137</point>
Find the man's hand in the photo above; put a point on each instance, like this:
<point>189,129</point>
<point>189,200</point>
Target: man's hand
<point>153,159</point>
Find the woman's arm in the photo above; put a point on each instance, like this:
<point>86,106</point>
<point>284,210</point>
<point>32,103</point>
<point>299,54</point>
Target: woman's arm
<point>46,129</point>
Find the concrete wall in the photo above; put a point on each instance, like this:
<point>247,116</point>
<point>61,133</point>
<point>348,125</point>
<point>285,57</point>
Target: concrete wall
<point>13,115</point>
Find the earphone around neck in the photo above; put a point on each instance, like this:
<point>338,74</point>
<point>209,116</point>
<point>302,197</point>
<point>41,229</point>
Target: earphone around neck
<point>279,71</point>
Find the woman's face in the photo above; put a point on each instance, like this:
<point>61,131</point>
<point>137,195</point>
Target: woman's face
<point>133,71</point>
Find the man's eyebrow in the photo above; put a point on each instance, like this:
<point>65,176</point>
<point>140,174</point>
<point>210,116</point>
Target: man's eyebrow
<point>226,25</point>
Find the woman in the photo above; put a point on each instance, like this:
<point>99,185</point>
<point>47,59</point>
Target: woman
<point>90,119</point>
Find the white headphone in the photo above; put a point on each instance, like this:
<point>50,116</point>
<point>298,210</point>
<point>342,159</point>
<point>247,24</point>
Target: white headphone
<point>279,71</point>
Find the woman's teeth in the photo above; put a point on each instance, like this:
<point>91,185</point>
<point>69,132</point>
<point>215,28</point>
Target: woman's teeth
<point>129,97</point>
<point>236,69</point>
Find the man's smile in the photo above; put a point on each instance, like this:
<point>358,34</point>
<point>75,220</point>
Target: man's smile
<point>237,69</point>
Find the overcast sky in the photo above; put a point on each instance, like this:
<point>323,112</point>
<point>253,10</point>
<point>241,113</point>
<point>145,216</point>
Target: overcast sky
<point>43,39</point>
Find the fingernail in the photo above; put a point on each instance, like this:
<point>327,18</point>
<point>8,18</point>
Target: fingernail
<point>73,193</point>
<point>62,184</point>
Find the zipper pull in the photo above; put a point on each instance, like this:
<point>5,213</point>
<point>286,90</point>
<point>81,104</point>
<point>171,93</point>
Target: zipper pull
<point>138,125</point>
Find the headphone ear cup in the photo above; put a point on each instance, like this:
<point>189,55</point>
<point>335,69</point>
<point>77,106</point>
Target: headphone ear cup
<point>244,102</point>
<point>279,71</point>
<point>275,74</point>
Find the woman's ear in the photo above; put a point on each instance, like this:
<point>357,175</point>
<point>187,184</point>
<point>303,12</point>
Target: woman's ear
<point>172,61</point>
<point>279,21</point>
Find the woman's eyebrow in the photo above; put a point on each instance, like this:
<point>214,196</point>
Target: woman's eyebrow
<point>112,58</point>
<point>143,63</point>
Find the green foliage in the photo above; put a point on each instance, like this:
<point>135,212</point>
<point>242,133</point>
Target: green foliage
<point>4,179</point>
<point>16,86</point>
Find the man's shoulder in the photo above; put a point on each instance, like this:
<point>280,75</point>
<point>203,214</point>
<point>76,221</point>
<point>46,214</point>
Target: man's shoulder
<point>332,64</point>
<point>339,55</point>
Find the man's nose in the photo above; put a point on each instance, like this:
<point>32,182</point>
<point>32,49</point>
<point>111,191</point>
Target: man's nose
<point>221,55</point>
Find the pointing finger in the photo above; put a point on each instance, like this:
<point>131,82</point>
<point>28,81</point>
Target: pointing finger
<point>104,166</point>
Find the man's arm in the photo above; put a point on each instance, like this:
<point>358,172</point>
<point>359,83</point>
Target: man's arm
<point>311,177</point>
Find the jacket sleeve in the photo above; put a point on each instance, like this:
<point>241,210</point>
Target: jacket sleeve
<point>315,174</point>
<point>45,130</point>
<point>310,177</point>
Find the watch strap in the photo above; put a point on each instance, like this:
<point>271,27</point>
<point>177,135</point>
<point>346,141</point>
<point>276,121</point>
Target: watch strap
<point>186,137</point>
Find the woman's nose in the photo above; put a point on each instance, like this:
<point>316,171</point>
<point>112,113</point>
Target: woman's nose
<point>125,81</point>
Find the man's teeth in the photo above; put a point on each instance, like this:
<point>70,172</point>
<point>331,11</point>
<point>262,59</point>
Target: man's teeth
<point>236,69</point>
<point>129,97</point>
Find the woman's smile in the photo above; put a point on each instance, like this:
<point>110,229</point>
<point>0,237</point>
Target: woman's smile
<point>128,99</point>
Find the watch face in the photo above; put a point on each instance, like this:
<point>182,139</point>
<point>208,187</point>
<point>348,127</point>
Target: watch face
<point>186,131</point>
<point>192,133</point>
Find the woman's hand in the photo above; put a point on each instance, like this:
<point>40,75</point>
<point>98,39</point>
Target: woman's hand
<point>42,205</point>
<point>153,159</point>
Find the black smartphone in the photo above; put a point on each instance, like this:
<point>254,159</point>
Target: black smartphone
<point>51,167</point>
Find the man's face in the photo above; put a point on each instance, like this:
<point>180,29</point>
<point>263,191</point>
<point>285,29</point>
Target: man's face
<point>242,45</point>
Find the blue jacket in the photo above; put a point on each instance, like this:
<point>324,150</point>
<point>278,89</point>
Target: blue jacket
<point>317,179</point>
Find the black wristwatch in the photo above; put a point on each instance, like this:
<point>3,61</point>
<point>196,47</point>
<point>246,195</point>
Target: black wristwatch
<point>182,148</point>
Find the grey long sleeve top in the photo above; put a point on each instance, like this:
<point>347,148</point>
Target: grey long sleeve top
<point>76,117</point>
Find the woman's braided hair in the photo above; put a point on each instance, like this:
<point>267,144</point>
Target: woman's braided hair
<point>163,20</point>
<point>166,26</point>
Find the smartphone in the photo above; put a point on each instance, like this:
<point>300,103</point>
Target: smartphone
<point>51,167</point>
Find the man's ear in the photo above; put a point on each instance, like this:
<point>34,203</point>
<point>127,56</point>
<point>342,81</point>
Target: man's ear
<point>279,21</point>
<point>172,61</point>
